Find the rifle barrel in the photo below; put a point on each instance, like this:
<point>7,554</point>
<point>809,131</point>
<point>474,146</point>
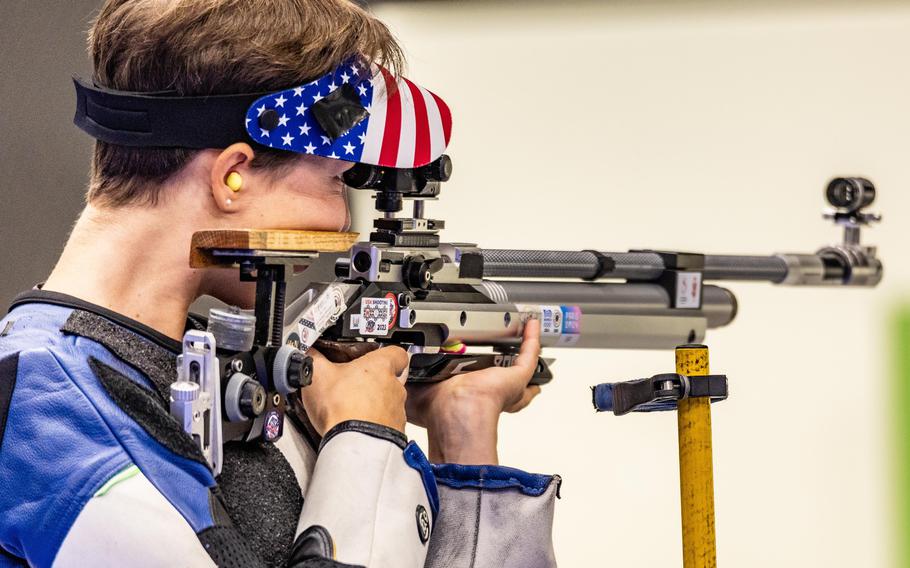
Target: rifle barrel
<point>502,263</point>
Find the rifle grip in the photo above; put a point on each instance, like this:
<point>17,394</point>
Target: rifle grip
<point>344,351</point>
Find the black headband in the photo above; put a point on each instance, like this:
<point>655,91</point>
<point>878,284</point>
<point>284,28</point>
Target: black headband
<point>357,112</point>
<point>161,119</point>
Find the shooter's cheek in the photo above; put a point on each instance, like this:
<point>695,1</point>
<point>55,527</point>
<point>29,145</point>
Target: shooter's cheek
<point>328,214</point>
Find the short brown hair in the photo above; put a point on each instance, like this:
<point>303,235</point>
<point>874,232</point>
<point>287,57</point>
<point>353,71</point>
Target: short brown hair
<point>209,47</point>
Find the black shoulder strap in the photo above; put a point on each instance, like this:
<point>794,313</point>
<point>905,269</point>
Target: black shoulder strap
<point>159,365</point>
<point>9,368</point>
<point>161,119</point>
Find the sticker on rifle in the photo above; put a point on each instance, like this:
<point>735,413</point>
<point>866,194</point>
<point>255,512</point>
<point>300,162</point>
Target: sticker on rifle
<point>550,320</point>
<point>571,325</point>
<point>272,427</point>
<point>319,315</point>
<point>391,296</point>
<point>376,315</point>
<point>308,334</point>
<point>688,289</point>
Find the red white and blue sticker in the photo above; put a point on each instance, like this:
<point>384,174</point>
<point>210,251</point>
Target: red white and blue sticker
<point>272,427</point>
<point>560,322</point>
<point>406,126</point>
<point>377,315</point>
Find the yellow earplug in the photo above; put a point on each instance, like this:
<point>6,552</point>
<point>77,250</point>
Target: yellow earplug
<point>234,181</point>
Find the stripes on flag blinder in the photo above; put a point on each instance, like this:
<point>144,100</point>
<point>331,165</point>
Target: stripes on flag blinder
<point>356,113</point>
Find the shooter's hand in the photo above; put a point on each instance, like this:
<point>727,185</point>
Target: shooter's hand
<point>367,389</point>
<point>461,414</point>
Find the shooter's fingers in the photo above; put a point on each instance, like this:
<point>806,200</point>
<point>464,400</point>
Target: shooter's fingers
<point>406,372</point>
<point>393,357</point>
<point>526,362</point>
<point>344,351</point>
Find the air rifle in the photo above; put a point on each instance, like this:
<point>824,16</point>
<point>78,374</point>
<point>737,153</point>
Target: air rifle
<point>442,301</point>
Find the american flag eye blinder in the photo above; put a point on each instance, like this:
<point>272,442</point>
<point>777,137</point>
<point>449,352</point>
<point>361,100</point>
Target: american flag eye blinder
<point>356,113</point>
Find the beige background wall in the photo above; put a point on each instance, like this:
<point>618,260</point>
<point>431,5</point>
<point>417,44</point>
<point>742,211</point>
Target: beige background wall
<point>711,127</point>
<point>708,126</point>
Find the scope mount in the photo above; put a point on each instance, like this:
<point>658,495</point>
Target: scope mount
<point>395,185</point>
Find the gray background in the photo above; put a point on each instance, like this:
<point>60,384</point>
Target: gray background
<point>44,159</point>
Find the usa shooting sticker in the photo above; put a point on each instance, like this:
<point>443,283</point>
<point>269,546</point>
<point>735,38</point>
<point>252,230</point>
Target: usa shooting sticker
<point>376,315</point>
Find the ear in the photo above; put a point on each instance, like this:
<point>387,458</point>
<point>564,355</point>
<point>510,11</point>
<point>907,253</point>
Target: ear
<point>235,158</point>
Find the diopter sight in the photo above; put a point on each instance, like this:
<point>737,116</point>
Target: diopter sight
<point>396,184</point>
<point>392,187</point>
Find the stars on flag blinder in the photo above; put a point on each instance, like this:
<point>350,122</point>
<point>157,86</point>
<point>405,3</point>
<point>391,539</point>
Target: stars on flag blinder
<point>395,123</point>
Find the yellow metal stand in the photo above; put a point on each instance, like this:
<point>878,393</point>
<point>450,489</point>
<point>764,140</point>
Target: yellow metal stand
<point>696,468</point>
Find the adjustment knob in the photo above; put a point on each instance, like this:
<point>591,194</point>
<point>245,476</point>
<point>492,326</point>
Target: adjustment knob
<point>252,399</point>
<point>244,398</point>
<point>184,391</point>
<point>389,201</point>
<point>441,169</point>
<point>292,370</point>
<point>300,370</point>
<point>418,271</point>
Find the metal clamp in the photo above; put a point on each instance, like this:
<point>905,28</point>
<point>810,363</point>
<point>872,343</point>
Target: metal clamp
<point>682,277</point>
<point>196,395</point>
<point>657,393</point>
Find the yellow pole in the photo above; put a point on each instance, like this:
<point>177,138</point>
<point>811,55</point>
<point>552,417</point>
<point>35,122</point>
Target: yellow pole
<point>696,470</point>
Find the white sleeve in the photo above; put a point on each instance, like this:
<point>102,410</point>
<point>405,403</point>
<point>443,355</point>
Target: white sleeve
<point>131,524</point>
<point>371,500</point>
